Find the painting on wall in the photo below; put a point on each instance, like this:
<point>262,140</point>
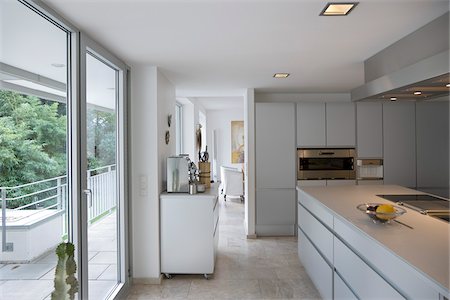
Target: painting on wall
<point>237,142</point>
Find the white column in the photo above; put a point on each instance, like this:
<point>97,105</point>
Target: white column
<point>249,129</point>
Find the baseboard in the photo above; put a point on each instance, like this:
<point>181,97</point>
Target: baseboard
<point>275,230</point>
<point>251,236</point>
<point>148,280</point>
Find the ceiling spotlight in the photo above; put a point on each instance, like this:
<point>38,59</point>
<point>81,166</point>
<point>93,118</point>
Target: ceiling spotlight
<point>338,9</point>
<point>418,93</point>
<point>281,75</point>
<point>56,65</point>
<point>448,85</point>
<point>393,98</point>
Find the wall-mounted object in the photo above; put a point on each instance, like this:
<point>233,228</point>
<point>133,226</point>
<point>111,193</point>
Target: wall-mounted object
<point>167,137</point>
<point>237,142</point>
<point>169,119</point>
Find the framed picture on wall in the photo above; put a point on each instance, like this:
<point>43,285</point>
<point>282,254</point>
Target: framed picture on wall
<point>237,142</point>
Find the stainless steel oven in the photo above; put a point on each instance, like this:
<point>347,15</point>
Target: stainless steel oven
<point>326,163</point>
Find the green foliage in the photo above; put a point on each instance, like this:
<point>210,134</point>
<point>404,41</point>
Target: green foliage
<point>32,142</point>
<point>33,134</point>
<point>66,284</point>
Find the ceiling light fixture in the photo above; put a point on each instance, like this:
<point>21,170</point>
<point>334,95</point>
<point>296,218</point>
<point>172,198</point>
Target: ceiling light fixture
<point>338,9</point>
<point>56,65</point>
<point>418,93</point>
<point>281,75</point>
<point>393,98</point>
<point>448,85</point>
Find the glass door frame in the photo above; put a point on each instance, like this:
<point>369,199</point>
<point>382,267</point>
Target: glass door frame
<point>87,46</point>
<point>77,46</point>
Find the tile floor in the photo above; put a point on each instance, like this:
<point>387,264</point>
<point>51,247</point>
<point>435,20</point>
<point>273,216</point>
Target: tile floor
<point>263,268</point>
<point>34,281</point>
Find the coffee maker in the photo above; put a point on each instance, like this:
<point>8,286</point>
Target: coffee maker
<point>178,174</point>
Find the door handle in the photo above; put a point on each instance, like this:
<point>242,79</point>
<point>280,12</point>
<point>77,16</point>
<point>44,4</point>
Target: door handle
<point>88,193</point>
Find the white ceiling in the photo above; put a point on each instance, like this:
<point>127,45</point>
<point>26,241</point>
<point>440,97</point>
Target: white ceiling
<point>234,44</point>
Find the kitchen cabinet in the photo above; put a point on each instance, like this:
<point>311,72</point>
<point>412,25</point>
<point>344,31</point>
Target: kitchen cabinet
<point>432,126</point>
<point>275,168</point>
<point>311,131</point>
<point>189,232</point>
<point>366,283</point>
<point>369,129</point>
<point>341,290</point>
<point>318,269</point>
<point>340,124</point>
<point>399,143</point>
<point>325,124</point>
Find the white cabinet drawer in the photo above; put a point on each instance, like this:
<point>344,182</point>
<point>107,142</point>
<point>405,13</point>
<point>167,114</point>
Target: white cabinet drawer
<point>341,290</point>
<point>365,282</point>
<point>315,208</point>
<point>408,280</point>
<point>320,236</point>
<point>319,271</point>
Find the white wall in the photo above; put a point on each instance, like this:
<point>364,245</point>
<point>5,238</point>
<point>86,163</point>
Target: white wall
<point>152,98</point>
<point>249,131</point>
<point>220,120</point>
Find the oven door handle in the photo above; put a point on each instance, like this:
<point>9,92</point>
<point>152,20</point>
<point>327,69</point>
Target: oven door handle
<point>326,153</point>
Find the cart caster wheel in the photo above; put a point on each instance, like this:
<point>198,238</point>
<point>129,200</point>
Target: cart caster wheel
<point>206,276</point>
<point>168,276</point>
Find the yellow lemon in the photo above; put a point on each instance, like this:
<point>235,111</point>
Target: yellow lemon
<point>385,209</point>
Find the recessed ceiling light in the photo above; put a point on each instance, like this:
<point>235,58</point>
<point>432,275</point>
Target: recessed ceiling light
<point>338,9</point>
<point>281,75</point>
<point>448,85</point>
<point>418,93</point>
<point>56,65</point>
<point>393,98</point>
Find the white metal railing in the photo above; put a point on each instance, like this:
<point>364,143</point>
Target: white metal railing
<point>52,193</point>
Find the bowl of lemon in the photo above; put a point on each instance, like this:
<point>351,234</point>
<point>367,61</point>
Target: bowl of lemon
<point>380,212</point>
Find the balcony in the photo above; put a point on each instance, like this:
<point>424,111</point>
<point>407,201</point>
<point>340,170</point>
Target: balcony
<point>33,230</point>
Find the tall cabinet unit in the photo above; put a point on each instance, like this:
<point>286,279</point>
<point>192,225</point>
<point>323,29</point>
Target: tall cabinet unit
<point>399,137</point>
<point>275,168</point>
<point>369,129</point>
<point>432,125</point>
<point>340,118</point>
<point>311,131</point>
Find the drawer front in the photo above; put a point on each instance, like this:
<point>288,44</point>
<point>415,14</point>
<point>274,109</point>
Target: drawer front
<point>341,290</point>
<point>407,279</point>
<point>319,271</point>
<point>315,208</point>
<point>320,236</point>
<point>363,280</point>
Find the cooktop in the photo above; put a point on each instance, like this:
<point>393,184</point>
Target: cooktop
<point>420,202</point>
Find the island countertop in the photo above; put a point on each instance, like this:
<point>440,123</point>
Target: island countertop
<point>425,247</point>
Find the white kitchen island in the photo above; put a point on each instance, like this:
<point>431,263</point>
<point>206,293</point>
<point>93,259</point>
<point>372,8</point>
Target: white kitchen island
<point>189,232</point>
<point>348,256</point>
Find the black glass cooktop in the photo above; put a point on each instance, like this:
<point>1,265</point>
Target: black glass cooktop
<point>420,202</point>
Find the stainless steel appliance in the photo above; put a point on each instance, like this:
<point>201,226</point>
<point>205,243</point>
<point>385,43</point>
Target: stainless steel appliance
<point>425,204</point>
<point>336,163</point>
<point>178,168</point>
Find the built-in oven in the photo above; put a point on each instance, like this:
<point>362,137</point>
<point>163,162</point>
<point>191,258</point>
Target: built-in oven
<point>327,163</point>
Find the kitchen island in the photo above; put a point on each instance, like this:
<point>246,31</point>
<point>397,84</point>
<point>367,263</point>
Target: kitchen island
<point>349,256</point>
<point>189,232</point>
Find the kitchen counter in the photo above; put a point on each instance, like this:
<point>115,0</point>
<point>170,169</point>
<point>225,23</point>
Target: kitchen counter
<point>212,191</point>
<point>425,247</point>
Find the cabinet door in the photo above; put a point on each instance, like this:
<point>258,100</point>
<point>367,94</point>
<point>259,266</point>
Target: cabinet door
<point>399,143</point>
<point>432,144</point>
<point>363,280</point>
<point>319,271</point>
<point>311,124</point>
<point>340,124</point>
<point>275,145</point>
<point>275,211</point>
<point>369,129</point>
<point>341,290</point>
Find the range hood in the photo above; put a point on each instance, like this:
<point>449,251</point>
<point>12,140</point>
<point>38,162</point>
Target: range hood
<point>430,77</point>
<point>419,62</point>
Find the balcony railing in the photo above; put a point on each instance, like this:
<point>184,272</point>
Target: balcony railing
<point>29,200</point>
